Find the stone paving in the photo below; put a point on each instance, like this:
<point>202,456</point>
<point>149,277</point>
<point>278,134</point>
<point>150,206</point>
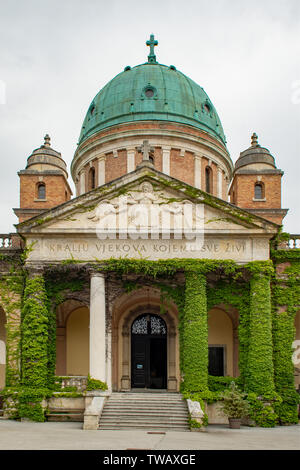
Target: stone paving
<point>70,436</point>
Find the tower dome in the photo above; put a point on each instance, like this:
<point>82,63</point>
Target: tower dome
<point>255,155</point>
<point>161,106</point>
<point>152,91</point>
<point>46,158</point>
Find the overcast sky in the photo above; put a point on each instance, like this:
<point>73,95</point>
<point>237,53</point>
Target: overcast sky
<point>57,54</point>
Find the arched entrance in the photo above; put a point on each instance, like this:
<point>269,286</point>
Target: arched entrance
<point>72,338</point>
<point>128,308</point>
<point>149,352</point>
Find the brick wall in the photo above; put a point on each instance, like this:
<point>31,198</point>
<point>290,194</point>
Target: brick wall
<point>182,168</point>
<point>243,188</point>
<point>115,166</point>
<point>57,191</point>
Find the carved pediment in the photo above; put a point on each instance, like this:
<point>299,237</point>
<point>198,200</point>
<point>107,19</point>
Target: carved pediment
<point>145,206</point>
<point>148,217</point>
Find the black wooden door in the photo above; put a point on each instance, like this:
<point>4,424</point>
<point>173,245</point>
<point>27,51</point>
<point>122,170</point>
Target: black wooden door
<point>140,361</point>
<point>149,352</point>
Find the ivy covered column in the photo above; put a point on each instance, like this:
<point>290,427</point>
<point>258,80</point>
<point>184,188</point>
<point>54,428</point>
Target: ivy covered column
<point>11,290</point>
<point>195,334</point>
<point>260,370</point>
<point>286,301</point>
<point>34,348</point>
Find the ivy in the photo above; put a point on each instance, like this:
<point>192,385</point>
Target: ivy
<point>286,303</point>
<point>263,414</point>
<point>195,335</point>
<point>11,290</point>
<point>94,384</point>
<point>266,368</point>
<point>260,375</point>
<point>31,403</point>
<point>35,334</point>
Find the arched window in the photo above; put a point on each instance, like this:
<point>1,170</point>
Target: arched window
<point>208,179</point>
<point>92,179</point>
<point>259,191</point>
<point>151,159</point>
<point>41,191</point>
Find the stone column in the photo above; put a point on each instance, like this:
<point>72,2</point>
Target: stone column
<point>220,181</point>
<point>130,159</point>
<point>97,328</point>
<point>125,379</point>
<point>82,182</point>
<point>197,171</point>
<point>166,160</point>
<point>101,170</point>
<point>260,371</point>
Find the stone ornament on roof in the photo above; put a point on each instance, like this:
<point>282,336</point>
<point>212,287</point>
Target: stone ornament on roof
<point>47,140</point>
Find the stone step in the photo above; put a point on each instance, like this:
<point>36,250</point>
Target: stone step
<point>133,422</point>
<point>123,427</point>
<point>153,409</point>
<point>145,400</point>
<point>123,406</point>
<point>145,396</point>
<point>143,416</point>
<point>142,411</point>
<point>159,411</point>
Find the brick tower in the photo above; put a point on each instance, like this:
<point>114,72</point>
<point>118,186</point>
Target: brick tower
<point>256,183</point>
<point>43,183</point>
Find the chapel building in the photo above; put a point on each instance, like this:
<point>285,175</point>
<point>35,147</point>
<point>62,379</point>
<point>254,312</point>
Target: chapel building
<point>167,271</point>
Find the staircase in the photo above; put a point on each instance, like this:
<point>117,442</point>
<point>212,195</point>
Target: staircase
<point>149,411</point>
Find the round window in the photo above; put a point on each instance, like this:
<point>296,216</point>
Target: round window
<point>149,92</point>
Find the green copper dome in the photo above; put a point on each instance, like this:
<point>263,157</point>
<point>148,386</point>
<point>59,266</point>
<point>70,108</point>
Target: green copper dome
<point>152,91</point>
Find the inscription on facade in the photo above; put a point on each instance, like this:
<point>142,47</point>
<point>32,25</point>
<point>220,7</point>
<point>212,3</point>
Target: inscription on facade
<point>241,250</point>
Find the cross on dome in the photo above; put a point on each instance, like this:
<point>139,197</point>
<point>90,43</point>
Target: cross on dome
<point>152,43</point>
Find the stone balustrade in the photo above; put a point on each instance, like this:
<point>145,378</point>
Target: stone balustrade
<point>10,241</point>
<point>5,241</point>
<point>78,381</point>
<point>292,243</point>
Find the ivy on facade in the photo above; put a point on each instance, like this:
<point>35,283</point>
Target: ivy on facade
<point>266,329</point>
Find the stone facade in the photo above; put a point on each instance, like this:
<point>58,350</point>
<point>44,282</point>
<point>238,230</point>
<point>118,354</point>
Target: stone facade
<point>147,257</point>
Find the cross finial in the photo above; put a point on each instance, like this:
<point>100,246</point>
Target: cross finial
<point>152,42</point>
<point>146,150</point>
<point>47,140</point>
<point>254,140</point>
